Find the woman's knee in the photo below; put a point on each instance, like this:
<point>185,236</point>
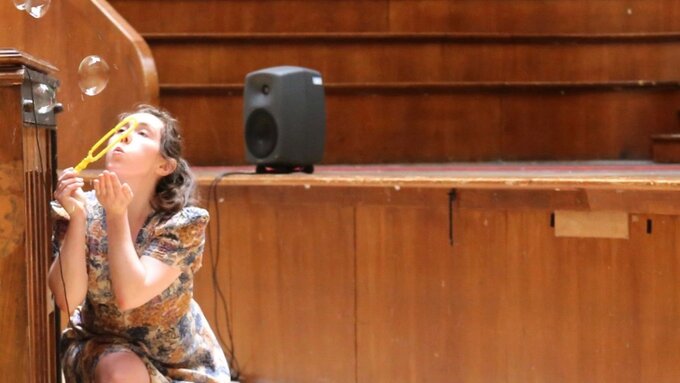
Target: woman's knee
<point>119,367</point>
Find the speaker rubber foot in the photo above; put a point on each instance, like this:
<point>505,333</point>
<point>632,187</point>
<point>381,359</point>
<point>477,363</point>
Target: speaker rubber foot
<point>284,169</point>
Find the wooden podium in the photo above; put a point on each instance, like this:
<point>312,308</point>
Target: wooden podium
<point>27,163</point>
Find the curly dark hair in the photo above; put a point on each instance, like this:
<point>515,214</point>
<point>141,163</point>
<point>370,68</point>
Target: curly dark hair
<point>178,189</point>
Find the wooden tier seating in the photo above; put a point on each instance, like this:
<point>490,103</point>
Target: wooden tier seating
<point>469,81</point>
<point>666,148</point>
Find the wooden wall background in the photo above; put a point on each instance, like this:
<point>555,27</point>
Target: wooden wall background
<point>473,80</point>
<point>518,16</point>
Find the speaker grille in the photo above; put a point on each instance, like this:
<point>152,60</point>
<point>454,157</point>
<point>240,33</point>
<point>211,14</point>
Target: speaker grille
<point>261,133</point>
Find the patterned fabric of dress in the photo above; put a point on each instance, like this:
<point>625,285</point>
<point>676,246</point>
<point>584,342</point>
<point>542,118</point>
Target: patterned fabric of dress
<point>169,333</point>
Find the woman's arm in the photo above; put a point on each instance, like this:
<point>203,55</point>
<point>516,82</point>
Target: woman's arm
<point>134,280</point>
<point>71,260</point>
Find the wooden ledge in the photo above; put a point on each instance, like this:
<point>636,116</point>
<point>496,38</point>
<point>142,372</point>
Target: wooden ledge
<point>498,38</point>
<point>439,87</point>
<point>670,137</point>
<point>632,186</point>
<point>666,148</point>
<point>615,175</point>
<point>10,57</point>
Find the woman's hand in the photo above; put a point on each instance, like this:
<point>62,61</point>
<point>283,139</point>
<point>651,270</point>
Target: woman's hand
<point>69,193</point>
<point>114,196</point>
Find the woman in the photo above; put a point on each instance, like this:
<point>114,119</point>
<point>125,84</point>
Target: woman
<point>126,254</point>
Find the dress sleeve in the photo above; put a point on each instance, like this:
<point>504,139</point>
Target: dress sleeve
<point>179,241</point>
<point>60,220</point>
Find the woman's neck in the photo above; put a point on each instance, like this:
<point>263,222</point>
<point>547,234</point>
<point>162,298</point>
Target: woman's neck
<point>140,206</point>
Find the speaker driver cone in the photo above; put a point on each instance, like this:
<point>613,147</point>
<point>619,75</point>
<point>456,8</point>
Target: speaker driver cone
<point>261,133</point>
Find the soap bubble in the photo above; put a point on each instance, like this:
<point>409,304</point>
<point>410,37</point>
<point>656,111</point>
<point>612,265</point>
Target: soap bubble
<point>36,8</point>
<point>44,98</point>
<point>93,75</point>
<point>21,4</point>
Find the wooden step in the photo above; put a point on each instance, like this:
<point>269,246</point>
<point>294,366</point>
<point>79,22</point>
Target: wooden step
<point>414,123</point>
<point>666,148</point>
<point>420,57</point>
<point>477,16</point>
<point>445,87</point>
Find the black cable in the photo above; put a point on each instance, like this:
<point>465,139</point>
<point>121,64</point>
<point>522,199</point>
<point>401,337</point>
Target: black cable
<point>214,261</point>
<point>48,190</point>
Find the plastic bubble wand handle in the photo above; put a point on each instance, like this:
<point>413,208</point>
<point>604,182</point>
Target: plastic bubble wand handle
<point>92,157</point>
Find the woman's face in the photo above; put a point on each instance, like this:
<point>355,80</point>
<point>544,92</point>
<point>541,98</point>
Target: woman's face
<point>139,153</point>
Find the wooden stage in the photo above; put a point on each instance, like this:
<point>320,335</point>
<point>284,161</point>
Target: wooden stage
<point>607,174</point>
<point>491,272</point>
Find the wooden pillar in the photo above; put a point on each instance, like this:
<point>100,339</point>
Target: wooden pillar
<point>27,147</point>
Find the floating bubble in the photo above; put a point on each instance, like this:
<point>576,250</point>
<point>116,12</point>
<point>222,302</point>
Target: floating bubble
<point>36,8</point>
<point>20,4</point>
<point>44,98</point>
<point>93,75</point>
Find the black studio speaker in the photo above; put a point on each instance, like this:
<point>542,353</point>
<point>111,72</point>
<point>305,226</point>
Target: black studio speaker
<point>284,118</point>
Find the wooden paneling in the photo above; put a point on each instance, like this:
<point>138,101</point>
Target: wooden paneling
<point>302,327</point>
<point>666,148</point>
<point>213,126</point>
<point>569,308</point>
<point>428,311</point>
<point>254,15</point>
<point>539,303</point>
<point>517,16</point>
<point>586,126</point>
<point>67,33</point>
<point>654,296</point>
<point>507,301</point>
<point>27,339</point>
<point>396,126</point>
<point>13,306</point>
<point>380,128</point>
<point>573,198</point>
<point>596,296</point>
<point>213,283</point>
<point>419,58</point>
<point>530,16</point>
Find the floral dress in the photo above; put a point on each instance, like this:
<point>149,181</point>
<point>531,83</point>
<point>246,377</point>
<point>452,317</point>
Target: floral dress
<point>169,333</point>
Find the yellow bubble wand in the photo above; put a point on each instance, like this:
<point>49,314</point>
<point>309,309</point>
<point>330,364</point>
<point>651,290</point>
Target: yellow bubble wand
<point>92,157</point>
